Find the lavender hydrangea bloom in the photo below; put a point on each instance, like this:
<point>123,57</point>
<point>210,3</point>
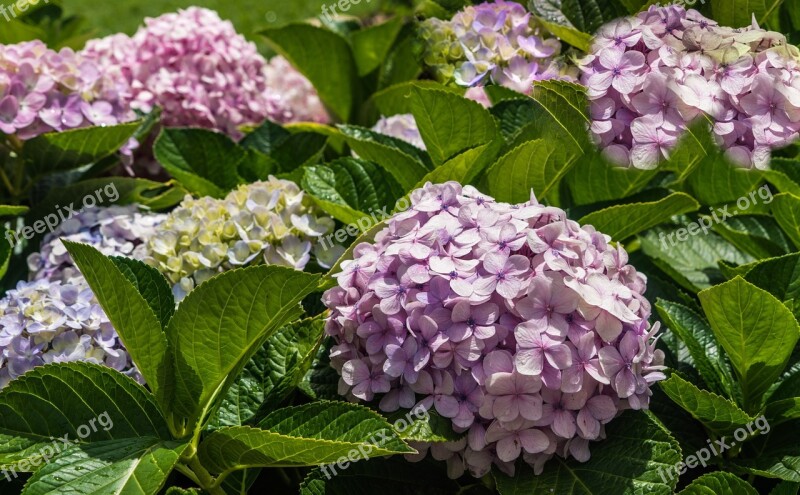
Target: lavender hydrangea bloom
<point>525,329</point>
<point>491,42</point>
<point>401,126</point>
<point>114,231</point>
<point>202,73</point>
<point>268,222</point>
<point>650,75</point>
<point>56,318</point>
<point>42,90</point>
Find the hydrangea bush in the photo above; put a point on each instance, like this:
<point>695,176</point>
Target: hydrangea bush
<point>528,331</point>
<point>650,75</point>
<point>460,299</point>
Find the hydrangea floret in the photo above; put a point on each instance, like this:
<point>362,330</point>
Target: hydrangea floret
<point>56,318</point>
<point>494,42</point>
<point>42,90</point>
<point>269,222</point>
<point>527,330</point>
<point>202,73</point>
<point>650,75</point>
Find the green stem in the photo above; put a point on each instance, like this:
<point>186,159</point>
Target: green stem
<point>204,478</point>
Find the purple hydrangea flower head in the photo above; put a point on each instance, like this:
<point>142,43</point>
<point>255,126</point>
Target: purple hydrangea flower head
<point>269,222</point>
<point>526,330</point>
<point>42,90</point>
<point>494,42</point>
<point>650,75</point>
<point>202,73</point>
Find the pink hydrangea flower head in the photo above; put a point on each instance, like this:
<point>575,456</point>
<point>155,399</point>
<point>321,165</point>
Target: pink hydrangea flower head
<point>42,90</point>
<point>494,42</point>
<point>649,76</point>
<point>202,73</point>
<point>526,330</point>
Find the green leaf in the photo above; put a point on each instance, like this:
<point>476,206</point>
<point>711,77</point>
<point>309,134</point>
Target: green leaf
<point>350,189</point>
<point>717,413</point>
<point>388,476</point>
<point>536,166</point>
<point>306,47</point>
<point>371,45</point>
<point>756,330</point>
<point>308,435</point>
<point>568,34</point>
<point>594,179</point>
<point>271,374</point>
<point>785,488</point>
<point>132,316</point>
<point>777,455</point>
<point>73,403</point>
<point>266,138</point>
<point>693,262</point>
<point>630,461</point>
<point>730,181</point>
<point>699,339</point>
<point>450,124</point>
<point>783,410</point>
<point>396,99</point>
<point>758,236</point>
<point>206,162</point>
<point>321,382</point>
<point>418,425</point>
<point>566,105</point>
<point>623,221</point>
<point>60,151</point>
<point>301,148</point>
<point>719,483</point>
<point>220,326</point>
<point>151,284</point>
<point>780,277</point>
<point>581,15</point>
<point>740,13</point>
<point>137,466</point>
<point>405,162</point>
<point>786,208</point>
<point>456,168</point>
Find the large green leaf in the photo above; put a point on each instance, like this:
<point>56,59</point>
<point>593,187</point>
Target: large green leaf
<point>403,161</point>
<point>757,235</point>
<point>717,413</point>
<point>321,382</point>
<point>565,104</point>
<point>309,435</point>
<point>135,466</point>
<point>730,181</point>
<point>691,261</point>
<point>594,179</point>
<point>351,190</point>
<point>776,453</point>
<point>371,45</point>
<point>719,483</point>
<point>581,15</point>
<point>152,286</point>
<point>396,99</point>
<point>132,316</point>
<point>12,211</point>
<point>204,161</point>
<point>58,405</point>
<point>699,339</point>
<point>325,58</point>
<point>536,166</point>
<point>634,459</point>
<point>740,13</point>
<point>60,151</point>
<point>450,124</point>
<point>756,330</point>
<point>786,208</point>
<point>220,326</point>
<point>780,277</point>
<point>783,410</point>
<point>271,374</point>
<point>623,221</point>
<point>456,168</point>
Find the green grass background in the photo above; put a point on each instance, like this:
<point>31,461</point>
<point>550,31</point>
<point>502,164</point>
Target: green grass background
<point>112,16</point>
